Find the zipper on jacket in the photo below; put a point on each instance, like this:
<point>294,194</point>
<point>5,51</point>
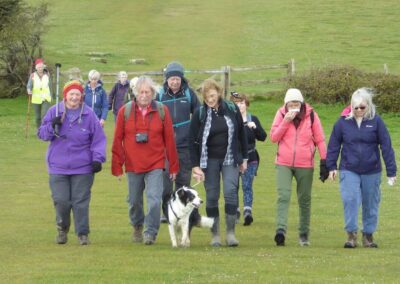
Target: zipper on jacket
<point>295,143</point>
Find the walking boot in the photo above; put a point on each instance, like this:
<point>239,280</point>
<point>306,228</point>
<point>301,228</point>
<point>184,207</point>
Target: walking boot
<point>368,241</point>
<point>280,237</point>
<point>83,240</point>
<point>137,234</point>
<point>216,238</point>
<point>351,240</point>
<point>230,221</point>
<point>62,237</point>
<point>248,217</point>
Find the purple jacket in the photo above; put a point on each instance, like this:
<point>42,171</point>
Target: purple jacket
<point>116,98</point>
<point>81,142</point>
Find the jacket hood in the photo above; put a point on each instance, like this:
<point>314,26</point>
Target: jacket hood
<point>346,111</point>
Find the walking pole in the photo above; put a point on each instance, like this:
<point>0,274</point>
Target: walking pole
<point>58,65</point>
<point>28,117</point>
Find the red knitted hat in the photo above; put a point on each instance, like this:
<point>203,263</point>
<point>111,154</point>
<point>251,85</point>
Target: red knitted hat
<point>38,61</point>
<point>72,85</point>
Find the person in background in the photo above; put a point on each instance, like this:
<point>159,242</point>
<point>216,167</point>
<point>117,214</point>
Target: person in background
<point>117,96</point>
<point>254,132</point>
<point>96,96</point>
<point>298,132</point>
<point>181,102</point>
<point>359,137</point>
<point>143,139</point>
<point>39,89</point>
<point>218,146</point>
<point>76,151</point>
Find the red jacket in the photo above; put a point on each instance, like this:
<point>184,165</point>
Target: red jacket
<point>296,147</point>
<point>143,157</point>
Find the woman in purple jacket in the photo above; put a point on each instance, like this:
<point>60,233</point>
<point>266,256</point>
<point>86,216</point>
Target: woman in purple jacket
<point>119,93</point>
<point>359,137</point>
<point>76,150</point>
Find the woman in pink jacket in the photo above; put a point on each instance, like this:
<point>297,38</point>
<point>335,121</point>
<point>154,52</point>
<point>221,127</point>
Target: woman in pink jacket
<point>298,132</point>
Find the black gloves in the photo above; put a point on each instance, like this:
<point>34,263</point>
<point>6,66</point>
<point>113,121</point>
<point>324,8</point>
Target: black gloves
<point>96,167</point>
<point>56,121</point>
<point>323,171</point>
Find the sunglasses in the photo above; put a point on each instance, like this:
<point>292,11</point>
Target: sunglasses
<point>236,95</point>
<point>360,107</point>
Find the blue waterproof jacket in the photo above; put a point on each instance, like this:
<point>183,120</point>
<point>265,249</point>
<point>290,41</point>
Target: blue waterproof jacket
<point>359,147</point>
<point>97,100</point>
<point>181,109</point>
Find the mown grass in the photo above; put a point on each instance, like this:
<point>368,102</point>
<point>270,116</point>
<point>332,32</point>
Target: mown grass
<point>29,254</point>
<point>201,34</point>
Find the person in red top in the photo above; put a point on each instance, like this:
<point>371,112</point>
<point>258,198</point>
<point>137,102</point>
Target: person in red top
<point>143,139</point>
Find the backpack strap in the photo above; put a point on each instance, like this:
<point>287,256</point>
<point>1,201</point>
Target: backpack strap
<point>161,92</point>
<point>127,110</point>
<point>129,105</point>
<point>312,117</point>
<point>161,111</point>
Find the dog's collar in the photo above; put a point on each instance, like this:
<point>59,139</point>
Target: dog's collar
<point>172,209</point>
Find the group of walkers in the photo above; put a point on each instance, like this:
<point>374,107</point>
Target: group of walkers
<point>164,136</point>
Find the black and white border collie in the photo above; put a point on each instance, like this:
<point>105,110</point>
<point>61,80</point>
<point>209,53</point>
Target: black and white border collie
<point>182,213</point>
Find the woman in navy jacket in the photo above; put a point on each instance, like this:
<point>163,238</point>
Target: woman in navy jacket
<point>357,137</point>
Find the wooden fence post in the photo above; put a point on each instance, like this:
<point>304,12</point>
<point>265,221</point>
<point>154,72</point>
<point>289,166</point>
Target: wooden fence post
<point>226,79</point>
<point>291,68</point>
<point>385,69</point>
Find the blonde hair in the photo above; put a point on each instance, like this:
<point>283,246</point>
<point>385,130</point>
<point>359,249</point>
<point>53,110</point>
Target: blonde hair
<point>210,84</point>
<point>93,75</point>
<point>363,96</point>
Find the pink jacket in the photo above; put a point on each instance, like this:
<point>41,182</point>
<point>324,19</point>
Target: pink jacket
<point>296,147</point>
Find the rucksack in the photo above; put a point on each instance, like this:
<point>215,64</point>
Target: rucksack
<point>187,96</point>
<point>161,93</point>
<point>128,109</point>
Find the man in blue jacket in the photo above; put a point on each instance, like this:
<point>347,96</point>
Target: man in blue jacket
<point>181,101</point>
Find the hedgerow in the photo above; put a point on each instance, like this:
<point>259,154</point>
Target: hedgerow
<point>336,84</point>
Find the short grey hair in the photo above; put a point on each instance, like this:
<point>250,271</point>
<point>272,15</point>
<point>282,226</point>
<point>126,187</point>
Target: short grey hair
<point>144,80</point>
<point>363,96</point>
<point>122,74</point>
<point>93,75</point>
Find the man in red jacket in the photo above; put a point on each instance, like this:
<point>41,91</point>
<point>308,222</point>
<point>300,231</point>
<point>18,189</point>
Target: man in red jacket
<point>143,139</point>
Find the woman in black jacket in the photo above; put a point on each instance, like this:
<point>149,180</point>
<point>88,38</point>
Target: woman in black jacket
<point>218,145</point>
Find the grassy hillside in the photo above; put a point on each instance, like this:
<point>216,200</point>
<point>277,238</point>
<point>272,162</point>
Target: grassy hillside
<point>210,34</point>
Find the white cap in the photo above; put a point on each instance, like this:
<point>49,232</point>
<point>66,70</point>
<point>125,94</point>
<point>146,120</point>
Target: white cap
<point>293,95</point>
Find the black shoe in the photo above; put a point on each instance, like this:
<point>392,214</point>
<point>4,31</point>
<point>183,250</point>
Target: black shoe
<point>248,218</point>
<point>280,238</point>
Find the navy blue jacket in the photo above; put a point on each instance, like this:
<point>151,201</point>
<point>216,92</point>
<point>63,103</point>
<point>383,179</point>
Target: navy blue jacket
<point>359,147</point>
<point>180,109</point>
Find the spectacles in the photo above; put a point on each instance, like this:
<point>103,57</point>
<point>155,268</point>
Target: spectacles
<point>360,107</point>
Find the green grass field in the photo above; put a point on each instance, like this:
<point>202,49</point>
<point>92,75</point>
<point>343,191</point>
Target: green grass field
<point>201,34</point>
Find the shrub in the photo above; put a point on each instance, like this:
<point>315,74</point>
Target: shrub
<point>336,84</point>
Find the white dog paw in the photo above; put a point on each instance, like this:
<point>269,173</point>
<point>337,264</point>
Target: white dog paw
<point>185,244</point>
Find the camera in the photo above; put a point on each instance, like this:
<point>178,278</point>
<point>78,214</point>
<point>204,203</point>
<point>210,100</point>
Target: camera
<point>141,138</point>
